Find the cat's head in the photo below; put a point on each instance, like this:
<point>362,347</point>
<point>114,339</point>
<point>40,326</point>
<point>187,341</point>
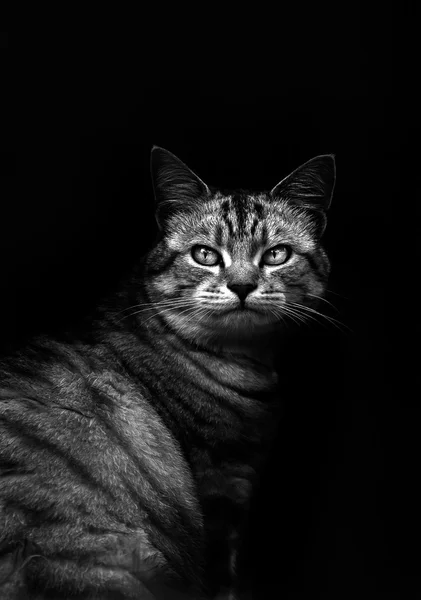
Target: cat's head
<point>231,263</point>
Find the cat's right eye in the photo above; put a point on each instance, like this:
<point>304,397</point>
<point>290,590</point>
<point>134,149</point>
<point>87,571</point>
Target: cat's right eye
<point>277,255</point>
<point>206,256</point>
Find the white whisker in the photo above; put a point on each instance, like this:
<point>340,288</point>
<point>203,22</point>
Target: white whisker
<point>307,309</point>
<point>277,314</point>
<point>149,305</point>
<point>323,300</point>
<point>327,291</point>
<point>192,306</point>
<point>303,317</point>
<point>164,306</point>
<point>280,311</point>
<point>294,315</point>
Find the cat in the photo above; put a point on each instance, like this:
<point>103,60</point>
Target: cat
<point>129,451</point>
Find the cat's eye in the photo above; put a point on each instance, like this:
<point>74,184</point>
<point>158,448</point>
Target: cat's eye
<point>277,255</point>
<point>205,255</point>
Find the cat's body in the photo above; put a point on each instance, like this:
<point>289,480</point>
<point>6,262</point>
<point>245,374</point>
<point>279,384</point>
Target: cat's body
<point>128,455</point>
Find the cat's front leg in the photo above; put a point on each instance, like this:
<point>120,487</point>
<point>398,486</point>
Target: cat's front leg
<point>225,491</point>
<point>224,532</point>
<point>235,544</point>
<point>230,595</point>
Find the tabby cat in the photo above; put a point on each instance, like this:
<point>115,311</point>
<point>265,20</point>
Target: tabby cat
<point>128,453</point>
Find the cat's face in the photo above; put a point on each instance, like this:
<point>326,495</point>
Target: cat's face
<point>235,263</point>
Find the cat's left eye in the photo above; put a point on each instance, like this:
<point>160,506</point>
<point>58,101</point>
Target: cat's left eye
<point>277,255</point>
<point>205,255</point>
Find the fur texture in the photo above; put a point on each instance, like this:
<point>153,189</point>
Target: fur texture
<point>128,453</point>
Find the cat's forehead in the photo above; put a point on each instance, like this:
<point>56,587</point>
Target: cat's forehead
<point>226,217</point>
<point>253,218</point>
<point>240,212</point>
<point>229,218</point>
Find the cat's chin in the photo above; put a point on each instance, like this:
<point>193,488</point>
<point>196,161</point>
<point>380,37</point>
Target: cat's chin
<point>243,329</point>
<point>238,318</point>
<point>241,336</point>
<point>242,325</point>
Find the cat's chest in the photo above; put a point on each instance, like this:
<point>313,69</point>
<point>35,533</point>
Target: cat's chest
<point>225,408</point>
<point>226,458</point>
<point>239,385</point>
<point>223,374</point>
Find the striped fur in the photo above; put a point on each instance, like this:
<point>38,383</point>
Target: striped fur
<point>128,453</point>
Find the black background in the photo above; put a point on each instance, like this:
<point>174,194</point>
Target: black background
<point>242,103</point>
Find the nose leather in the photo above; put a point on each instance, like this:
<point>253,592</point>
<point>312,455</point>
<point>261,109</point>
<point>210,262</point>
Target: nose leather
<point>242,289</point>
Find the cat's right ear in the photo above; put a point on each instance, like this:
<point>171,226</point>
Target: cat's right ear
<point>311,185</point>
<point>175,185</point>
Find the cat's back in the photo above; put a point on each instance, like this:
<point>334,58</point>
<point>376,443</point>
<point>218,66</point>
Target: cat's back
<point>89,475</point>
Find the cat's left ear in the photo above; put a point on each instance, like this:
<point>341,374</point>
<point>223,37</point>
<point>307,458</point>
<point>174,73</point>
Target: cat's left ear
<point>176,187</point>
<point>311,185</point>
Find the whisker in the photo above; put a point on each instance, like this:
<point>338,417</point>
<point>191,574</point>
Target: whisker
<point>294,315</point>
<point>278,315</point>
<point>206,313</point>
<point>313,310</point>
<point>334,322</point>
<point>160,312</point>
<point>303,317</point>
<point>323,300</point>
<point>160,306</point>
<point>200,312</point>
<point>285,312</point>
<point>327,291</point>
<point>152,304</point>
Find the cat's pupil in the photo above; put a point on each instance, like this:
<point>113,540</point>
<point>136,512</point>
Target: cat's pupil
<point>205,253</point>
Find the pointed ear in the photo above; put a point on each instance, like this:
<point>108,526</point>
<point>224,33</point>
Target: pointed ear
<point>311,185</point>
<point>175,185</point>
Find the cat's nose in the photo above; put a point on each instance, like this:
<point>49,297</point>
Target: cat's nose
<point>242,290</point>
